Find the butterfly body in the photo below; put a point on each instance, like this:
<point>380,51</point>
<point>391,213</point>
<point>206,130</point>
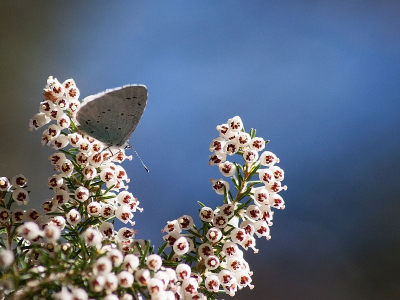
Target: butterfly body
<point>111,116</point>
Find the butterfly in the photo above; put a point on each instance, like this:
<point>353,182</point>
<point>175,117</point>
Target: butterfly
<point>111,116</point>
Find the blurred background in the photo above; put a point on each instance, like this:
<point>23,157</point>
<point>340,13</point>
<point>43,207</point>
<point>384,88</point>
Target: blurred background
<point>320,79</point>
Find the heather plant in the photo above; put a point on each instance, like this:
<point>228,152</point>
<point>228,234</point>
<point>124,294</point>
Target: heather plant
<point>83,246</point>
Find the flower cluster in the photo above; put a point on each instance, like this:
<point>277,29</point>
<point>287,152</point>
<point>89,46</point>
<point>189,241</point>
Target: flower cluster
<point>214,249</point>
<point>72,250</point>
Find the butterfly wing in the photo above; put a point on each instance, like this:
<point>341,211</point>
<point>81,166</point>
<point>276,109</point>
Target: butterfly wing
<point>113,115</point>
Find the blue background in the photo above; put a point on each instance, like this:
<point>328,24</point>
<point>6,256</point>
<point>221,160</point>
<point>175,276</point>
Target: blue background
<point>320,79</point>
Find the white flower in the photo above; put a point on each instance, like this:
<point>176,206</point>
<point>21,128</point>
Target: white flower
<point>61,196</point>
<point>230,249</point>
<point>92,237</point>
<point>107,229</point>
<point>79,294</point>
<point>268,159</point>
<point>60,142</point>
<point>17,215</point>
<point>217,145</point>
<point>5,215</point>
<point>186,222</point>
<point>73,106</point>
<point>94,208</point>
<point>250,156</point>
<point>212,283</point>
<point>125,279</point>
<point>257,144</point>
<point>57,158</point>
<point>212,262</point>
<point>102,266</point>
<point>66,168</point>
<point>125,234</point>
<point>64,294</point>
<point>220,221</point>
<point>216,158</point>
<point>154,262</point>
<point>29,231</point>
<point>4,184</point>
<point>206,214</point>
<point>6,258</point>
<point>52,233</point>
<point>243,278</point>
<point>262,229</point>
<point>125,198</point>
<point>227,169</point>
<point>155,286</point>
<point>38,121</point>
<point>142,276</point>
<point>220,186</point>
<point>19,181</point>
<point>181,246</point>
<point>20,196</point>
<point>278,173</point>
<point>97,283</point>
<point>107,210</point>
<point>235,123</point>
<point>111,297</point>
<point>231,147</point>
<point>214,235</point>
<point>238,235</point>
<point>73,217</point>
<point>205,250</point>
<point>124,214</point>
<point>253,212</point>
<point>115,256</point>
<point>183,272</point>
<point>243,139</point>
<point>89,172</point>
<point>59,221</point>
<point>131,263</point>
<point>111,283</point>
<point>226,277</point>
<point>108,175</point>
<point>276,201</point>
<point>190,286</point>
<point>82,194</point>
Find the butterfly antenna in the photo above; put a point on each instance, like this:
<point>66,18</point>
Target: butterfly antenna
<point>137,154</point>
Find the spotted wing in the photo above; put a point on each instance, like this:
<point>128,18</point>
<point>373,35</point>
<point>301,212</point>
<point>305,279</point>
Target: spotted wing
<point>113,115</point>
